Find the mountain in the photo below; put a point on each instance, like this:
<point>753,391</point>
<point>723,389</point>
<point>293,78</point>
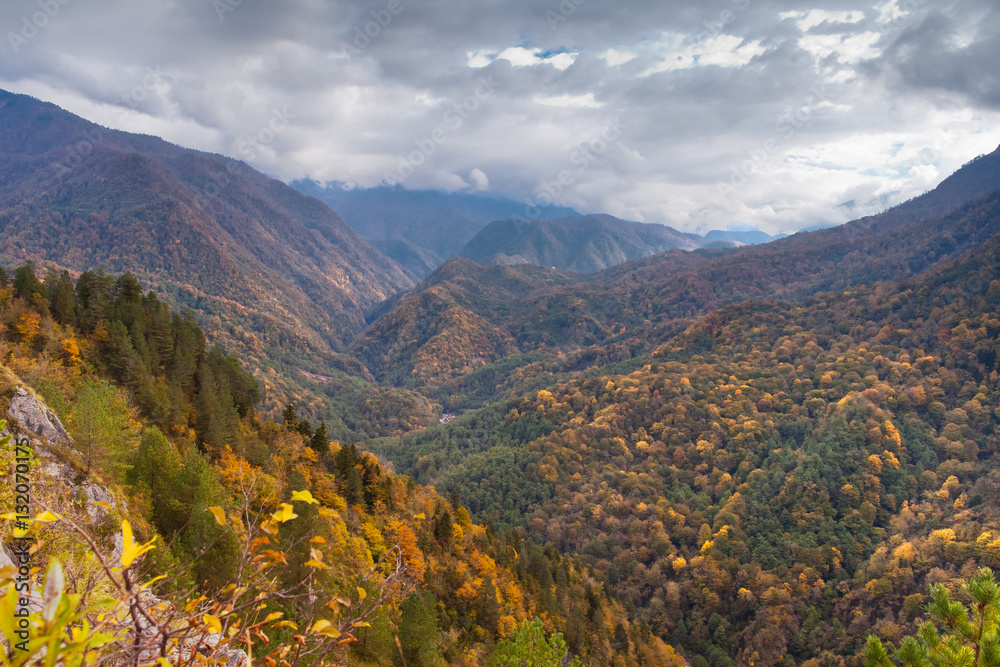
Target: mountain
<point>773,482</point>
<point>584,244</point>
<point>137,428</point>
<point>420,229</point>
<point>772,452</point>
<point>745,237</point>
<point>272,273</point>
<point>559,322</point>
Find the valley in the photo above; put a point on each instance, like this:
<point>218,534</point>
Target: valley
<point>669,449</point>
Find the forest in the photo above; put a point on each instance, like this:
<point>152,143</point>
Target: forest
<point>170,425</point>
<point>771,484</point>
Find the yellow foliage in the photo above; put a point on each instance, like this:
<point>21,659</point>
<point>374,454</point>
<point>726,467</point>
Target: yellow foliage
<point>890,459</point>
<point>679,564</point>
<point>412,556</point>
<point>484,565</point>
<point>904,552</point>
<point>892,437</point>
<point>466,593</point>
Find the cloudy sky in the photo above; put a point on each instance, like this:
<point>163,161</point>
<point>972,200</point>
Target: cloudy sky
<point>724,113</point>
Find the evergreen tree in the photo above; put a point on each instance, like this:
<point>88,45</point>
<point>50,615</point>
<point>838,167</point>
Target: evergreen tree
<point>418,630</point>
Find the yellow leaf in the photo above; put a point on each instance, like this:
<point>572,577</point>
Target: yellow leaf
<point>189,607</point>
<point>319,625</point>
<point>362,593</point>
<point>212,622</point>
<point>318,540</point>
<point>131,550</point>
<point>319,565</point>
<point>361,624</point>
<point>286,513</point>
<point>286,624</point>
<point>54,585</point>
<point>219,514</point>
<point>47,517</point>
<point>323,511</point>
<point>304,496</point>
<point>274,616</point>
<point>420,517</point>
<point>101,503</point>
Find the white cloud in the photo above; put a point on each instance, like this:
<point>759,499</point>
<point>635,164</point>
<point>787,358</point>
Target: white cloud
<point>722,50</point>
<point>479,180</point>
<point>614,57</point>
<point>575,101</point>
<point>518,56</point>
<point>815,17</point>
<point>850,49</point>
<point>714,102</point>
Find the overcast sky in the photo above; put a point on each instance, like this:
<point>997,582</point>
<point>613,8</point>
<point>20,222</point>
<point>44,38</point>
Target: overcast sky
<point>701,115</point>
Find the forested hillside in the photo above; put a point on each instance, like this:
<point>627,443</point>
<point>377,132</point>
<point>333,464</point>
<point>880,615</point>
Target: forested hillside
<point>275,276</point>
<point>194,462</point>
<point>584,244</point>
<point>420,229</point>
<point>458,338</point>
<point>772,483</point>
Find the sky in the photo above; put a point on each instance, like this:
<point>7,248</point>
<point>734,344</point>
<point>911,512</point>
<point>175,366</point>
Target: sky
<point>739,114</point>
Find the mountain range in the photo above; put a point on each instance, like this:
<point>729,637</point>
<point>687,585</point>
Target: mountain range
<point>420,229</point>
<point>583,244</point>
<point>757,454</point>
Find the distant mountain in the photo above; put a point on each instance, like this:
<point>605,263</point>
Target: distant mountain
<point>272,272</point>
<point>747,237</point>
<point>420,229</point>
<point>584,244</point>
<point>556,321</point>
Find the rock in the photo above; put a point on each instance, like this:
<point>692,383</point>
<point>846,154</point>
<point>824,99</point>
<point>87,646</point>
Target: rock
<point>33,416</point>
<point>97,494</point>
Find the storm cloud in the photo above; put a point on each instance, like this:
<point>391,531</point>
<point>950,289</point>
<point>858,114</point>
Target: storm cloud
<point>777,115</point>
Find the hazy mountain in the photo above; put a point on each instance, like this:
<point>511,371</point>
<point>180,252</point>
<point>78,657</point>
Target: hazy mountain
<point>420,229</point>
<point>272,271</point>
<point>745,237</point>
<point>584,244</point>
<point>638,304</point>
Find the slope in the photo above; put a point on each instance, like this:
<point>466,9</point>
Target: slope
<point>420,229</point>
<point>629,309</point>
<point>273,274</point>
<point>775,481</point>
<point>584,244</point>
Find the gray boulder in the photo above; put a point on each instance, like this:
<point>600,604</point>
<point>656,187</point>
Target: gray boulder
<point>33,416</point>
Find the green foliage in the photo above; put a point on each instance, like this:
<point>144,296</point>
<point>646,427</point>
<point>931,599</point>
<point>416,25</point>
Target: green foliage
<point>104,427</point>
<point>970,630</point>
<point>529,647</point>
<point>418,631</point>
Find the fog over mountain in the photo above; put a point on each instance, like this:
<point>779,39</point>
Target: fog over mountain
<point>778,115</point>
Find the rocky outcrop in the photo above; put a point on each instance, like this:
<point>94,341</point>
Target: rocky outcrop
<point>33,416</point>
